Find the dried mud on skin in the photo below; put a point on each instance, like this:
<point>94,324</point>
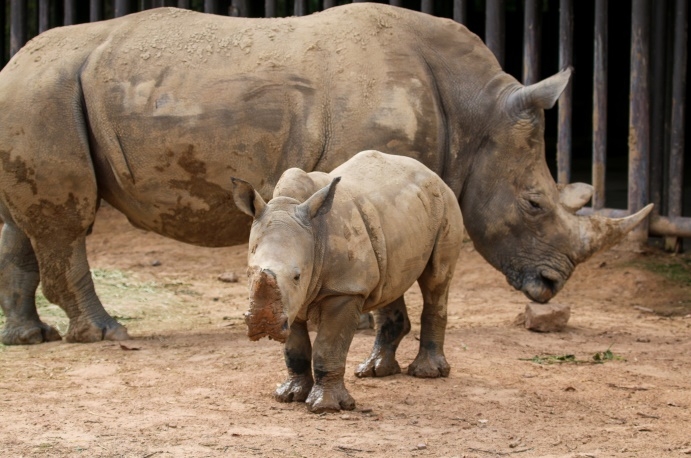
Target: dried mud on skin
<point>191,384</point>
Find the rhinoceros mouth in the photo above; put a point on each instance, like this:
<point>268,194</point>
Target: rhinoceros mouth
<point>543,286</point>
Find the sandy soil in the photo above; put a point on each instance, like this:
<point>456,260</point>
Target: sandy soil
<point>190,383</point>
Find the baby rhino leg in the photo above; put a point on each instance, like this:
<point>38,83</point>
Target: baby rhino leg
<point>434,285</point>
<point>392,324</point>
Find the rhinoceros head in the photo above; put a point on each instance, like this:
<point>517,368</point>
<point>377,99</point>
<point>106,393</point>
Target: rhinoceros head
<point>281,256</point>
<point>519,219</point>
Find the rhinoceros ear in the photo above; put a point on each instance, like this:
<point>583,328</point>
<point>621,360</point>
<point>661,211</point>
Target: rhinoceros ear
<point>575,195</point>
<point>543,94</point>
<point>246,198</point>
<point>319,203</point>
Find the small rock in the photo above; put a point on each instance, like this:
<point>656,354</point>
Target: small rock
<point>546,317</point>
<point>155,263</point>
<point>421,446</point>
<point>228,277</point>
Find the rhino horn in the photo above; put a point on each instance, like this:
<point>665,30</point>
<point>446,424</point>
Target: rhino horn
<point>598,232</point>
<point>266,316</point>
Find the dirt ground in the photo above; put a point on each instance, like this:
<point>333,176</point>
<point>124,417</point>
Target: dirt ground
<point>191,384</point>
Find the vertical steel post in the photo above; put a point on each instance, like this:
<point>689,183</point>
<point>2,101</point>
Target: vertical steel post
<point>43,16</point>
<point>95,10</point>
<point>147,4</point>
<point>270,8</point>
<point>69,13</point>
<point>329,3</point>
<point>211,6</point>
<point>17,25</point>
<point>531,42</point>
<point>678,119</point>
<point>460,11</point>
<point>658,61</point>
<point>639,115</point>
<point>600,51</point>
<point>396,2</point>
<point>300,8</point>
<point>184,4</point>
<point>564,136</point>
<point>494,28</point>
<point>3,7</point>
<point>427,6</point>
<point>122,7</point>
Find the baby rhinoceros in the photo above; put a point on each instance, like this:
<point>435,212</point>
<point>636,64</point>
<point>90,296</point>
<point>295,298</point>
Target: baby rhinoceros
<point>328,247</point>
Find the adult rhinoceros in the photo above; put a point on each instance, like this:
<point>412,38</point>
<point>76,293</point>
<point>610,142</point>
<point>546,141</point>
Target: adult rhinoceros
<point>155,111</point>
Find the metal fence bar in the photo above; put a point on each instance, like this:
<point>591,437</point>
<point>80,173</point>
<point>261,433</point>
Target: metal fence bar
<point>211,6</point>
<point>494,28</point>
<point>329,3</point>
<point>427,6</point>
<point>270,8</point>
<point>564,137</point>
<point>95,10</point>
<point>639,115</point>
<point>531,42</point>
<point>122,7</point>
<point>600,52</point>
<point>460,11</point>
<point>17,25</point>
<point>43,15</point>
<point>396,2</point>
<point>300,8</point>
<point>676,151</point>
<point>658,62</point>
<point>3,19</point>
<point>69,13</point>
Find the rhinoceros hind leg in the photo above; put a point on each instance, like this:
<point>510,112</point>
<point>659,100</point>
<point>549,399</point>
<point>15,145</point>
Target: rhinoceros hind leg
<point>392,324</point>
<point>19,279</point>
<point>434,284</point>
<point>298,357</point>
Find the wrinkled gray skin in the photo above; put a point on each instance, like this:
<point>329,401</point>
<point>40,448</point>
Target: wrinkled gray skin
<point>152,112</point>
<point>328,251</point>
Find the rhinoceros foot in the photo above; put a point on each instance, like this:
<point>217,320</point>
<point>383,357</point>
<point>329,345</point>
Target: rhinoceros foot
<point>379,364</point>
<point>429,365</point>
<point>332,398</point>
<point>84,331</point>
<point>30,333</point>
<point>295,389</point>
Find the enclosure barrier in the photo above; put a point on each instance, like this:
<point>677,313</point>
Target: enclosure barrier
<point>657,86</point>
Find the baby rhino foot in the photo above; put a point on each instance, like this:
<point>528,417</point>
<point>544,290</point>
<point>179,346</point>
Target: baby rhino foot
<point>428,365</point>
<point>84,331</point>
<point>330,399</point>
<point>295,389</point>
<point>30,333</point>
<point>379,365</point>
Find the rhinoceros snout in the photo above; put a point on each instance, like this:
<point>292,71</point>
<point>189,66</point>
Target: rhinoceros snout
<point>543,286</point>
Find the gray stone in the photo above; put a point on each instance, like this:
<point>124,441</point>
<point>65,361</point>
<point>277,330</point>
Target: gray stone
<point>546,317</point>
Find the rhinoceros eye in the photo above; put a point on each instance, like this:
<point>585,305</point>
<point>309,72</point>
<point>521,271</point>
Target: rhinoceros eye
<point>296,277</point>
<point>534,204</point>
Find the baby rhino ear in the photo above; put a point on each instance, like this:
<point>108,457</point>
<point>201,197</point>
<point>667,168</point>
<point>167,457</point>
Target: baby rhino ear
<point>246,198</point>
<point>320,202</point>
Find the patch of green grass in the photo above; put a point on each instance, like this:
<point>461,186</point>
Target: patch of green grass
<point>676,269</point>
<point>117,290</point>
<point>600,357</point>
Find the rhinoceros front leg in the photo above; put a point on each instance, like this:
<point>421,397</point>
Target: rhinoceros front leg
<point>66,281</point>
<point>19,279</point>
<point>392,324</point>
<point>339,319</point>
<point>298,357</point>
